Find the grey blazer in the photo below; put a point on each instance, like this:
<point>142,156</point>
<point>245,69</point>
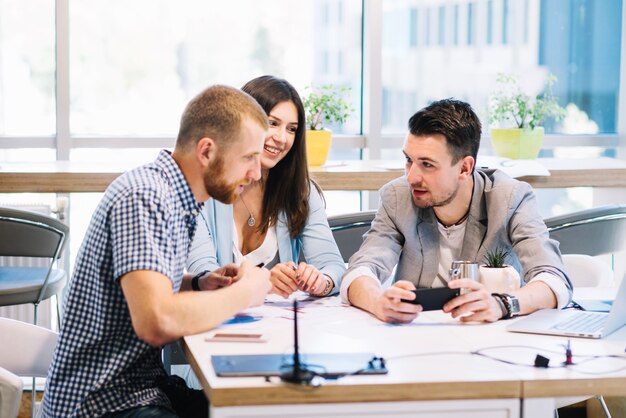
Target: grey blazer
<point>503,213</point>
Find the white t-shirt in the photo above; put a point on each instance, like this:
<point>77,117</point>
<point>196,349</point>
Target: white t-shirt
<point>450,244</point>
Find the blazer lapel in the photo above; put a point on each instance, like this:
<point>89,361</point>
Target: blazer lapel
<point>429,243</point>
<point>476,227</point>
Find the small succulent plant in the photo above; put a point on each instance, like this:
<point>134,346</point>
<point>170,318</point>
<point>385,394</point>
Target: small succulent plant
<point>496,258</point>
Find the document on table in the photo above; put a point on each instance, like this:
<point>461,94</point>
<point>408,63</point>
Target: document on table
<point>514,168</point>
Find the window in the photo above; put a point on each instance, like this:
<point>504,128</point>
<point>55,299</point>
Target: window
<point>505,22</point>
<point>489,22</point>
<point>27,68</point>
<point>470,24</point>
<point>134,65</point>
<point>413,28</point>
<point>526,23</point>
<point>427,28</point>
<point>580,44</point>
<point>441,26</point>
<point>456,24</point>
<point>578,41</point>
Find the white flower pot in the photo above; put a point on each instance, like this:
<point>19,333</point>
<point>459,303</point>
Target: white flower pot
<point>499,279</point>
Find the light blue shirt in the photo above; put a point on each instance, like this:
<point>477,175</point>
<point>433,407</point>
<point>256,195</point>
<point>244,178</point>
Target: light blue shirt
<point>212,246</point>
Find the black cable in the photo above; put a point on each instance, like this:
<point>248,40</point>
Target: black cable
<point>586,358</point>
<point>583,359</point>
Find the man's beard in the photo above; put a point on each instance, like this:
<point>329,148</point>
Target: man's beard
<point>433,204</point>
<point>217,187</point>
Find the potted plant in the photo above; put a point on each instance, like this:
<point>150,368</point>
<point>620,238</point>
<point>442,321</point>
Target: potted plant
<point>496,275</point>
<point>323,105</point>
<point>509,105</point>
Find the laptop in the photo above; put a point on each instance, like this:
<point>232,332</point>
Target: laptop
<point>575,323</point>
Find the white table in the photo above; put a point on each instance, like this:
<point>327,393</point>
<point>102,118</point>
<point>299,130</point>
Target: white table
<point>431,369</point>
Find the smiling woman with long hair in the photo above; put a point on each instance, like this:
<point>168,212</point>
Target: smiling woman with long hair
<point>279,220</point>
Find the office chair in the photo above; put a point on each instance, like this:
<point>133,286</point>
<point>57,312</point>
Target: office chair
<point>596,231</point>
<point>348,230</point>
<point>29,354</point>
<point>30,234</point>
<point>172,355</point>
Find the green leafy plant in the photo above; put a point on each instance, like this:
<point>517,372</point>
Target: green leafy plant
<point>510,104</point>
<point>496,258</point>
<point>326,105</point>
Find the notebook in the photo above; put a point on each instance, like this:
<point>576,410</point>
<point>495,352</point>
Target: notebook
<point>575,323</point>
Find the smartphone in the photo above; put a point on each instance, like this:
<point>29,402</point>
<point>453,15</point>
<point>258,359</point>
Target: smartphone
<point>433,298</point>
<point>233,337</point>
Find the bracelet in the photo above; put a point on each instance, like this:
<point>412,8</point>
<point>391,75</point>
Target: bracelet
<point>329,286</point>
<point>194,281</point>
<point>503,306</point>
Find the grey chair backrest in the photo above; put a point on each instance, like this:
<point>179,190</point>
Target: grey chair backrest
<point>30,234</point>
<point>596,231</point>
<point>348,230</point>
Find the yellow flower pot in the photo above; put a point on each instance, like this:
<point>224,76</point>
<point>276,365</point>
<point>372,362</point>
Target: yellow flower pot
<point>317,146</point>
<point>517,143</point>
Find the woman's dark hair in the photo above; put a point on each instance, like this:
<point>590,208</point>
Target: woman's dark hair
<point>287,184</point>
<point>453,119</point>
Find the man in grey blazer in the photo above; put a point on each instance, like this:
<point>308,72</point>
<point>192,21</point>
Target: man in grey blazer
<point>444,209</point>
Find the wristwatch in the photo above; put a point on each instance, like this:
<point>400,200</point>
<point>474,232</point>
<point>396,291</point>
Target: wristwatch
<point>511,304</point>
<point>194,281</point>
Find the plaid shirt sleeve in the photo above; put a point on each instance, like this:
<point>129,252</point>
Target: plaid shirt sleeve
<point>139,233</point>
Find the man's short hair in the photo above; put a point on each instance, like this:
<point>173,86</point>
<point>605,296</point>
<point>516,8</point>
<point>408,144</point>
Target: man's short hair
<point>218,113</point>
<point>453,119</point>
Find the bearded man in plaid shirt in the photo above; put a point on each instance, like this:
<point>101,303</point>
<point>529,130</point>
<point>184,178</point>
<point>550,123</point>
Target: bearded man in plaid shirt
<point>129,295</point>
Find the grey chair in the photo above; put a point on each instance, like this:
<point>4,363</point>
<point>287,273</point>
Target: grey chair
<point>172,355</point>
<point>348,230</point>
<point>30,234</point>
<point>596,231</point>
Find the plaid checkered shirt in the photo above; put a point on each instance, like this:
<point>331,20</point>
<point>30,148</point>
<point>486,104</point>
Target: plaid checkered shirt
<point>145,221</point>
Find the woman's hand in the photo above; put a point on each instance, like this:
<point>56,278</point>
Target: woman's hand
<point>283,277</point>
<point>311,280</point>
